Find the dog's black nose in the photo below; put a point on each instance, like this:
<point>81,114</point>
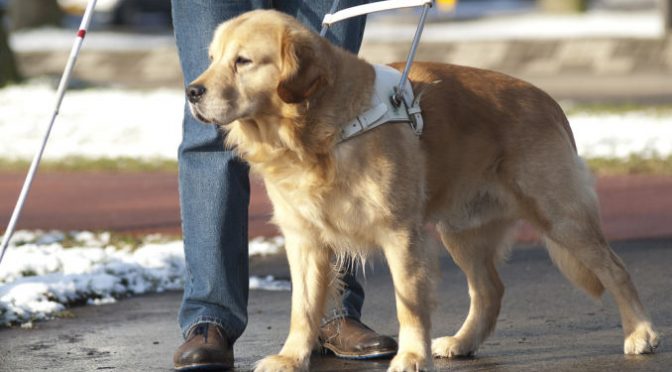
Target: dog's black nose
<point>195,92</point>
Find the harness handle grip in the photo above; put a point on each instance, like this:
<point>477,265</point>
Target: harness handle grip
<point>379,6</point>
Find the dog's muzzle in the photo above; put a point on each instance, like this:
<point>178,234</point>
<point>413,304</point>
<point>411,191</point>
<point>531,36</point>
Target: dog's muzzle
<point>195,92</point>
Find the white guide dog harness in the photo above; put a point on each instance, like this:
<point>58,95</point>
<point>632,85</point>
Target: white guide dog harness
<point>392,100</point>
<point>383,108</point>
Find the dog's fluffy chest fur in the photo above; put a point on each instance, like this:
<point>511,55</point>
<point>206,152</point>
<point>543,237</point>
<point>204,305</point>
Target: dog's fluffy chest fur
<point>345,195</point>
<point>347,210</point>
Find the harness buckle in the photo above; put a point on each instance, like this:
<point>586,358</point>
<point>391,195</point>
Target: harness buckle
<point>413,111</point>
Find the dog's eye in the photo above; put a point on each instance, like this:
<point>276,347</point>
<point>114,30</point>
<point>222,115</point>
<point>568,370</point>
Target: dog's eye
<point>242,61</point>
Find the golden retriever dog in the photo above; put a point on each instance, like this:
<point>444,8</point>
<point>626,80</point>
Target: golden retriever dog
<point>494,150</point>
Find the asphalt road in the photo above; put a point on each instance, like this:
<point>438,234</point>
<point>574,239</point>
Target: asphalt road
<point>545,323</point>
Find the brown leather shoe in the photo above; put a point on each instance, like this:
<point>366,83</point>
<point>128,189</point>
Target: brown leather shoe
<point>206,348</point>
<point>349,338</point>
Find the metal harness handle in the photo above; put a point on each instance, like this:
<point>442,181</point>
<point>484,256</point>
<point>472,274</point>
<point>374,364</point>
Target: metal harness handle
<point>333,17</point>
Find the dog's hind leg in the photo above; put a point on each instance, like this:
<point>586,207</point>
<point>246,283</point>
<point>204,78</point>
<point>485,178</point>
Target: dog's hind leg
<point>476,251</point>
<point>411,264</point>
<point>311,274</point>
<point>569,219</point>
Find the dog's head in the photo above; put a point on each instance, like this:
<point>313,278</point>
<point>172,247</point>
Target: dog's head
<point>260,61</point>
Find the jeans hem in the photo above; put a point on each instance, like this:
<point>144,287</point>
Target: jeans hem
<point>340,314</point>
<point>228,331</point>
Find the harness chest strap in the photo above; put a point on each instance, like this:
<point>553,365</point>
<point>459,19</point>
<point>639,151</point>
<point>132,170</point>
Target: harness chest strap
<point>382,110</point>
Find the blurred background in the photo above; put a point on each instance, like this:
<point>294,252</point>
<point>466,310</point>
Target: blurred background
<point>528,38</point>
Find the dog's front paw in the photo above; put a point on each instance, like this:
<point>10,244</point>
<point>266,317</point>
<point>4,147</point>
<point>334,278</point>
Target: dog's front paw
<point>280,363</point>
<point>410,362</point>
<point>644,340</point>
<point>452,347</point>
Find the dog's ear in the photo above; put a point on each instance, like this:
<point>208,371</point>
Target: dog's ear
<point>303,70</point>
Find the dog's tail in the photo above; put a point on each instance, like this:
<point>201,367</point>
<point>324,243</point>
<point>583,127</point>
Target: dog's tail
<point>574,270</point>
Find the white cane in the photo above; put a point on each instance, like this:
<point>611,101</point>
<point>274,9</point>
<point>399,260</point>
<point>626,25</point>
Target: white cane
<point>62,86</point>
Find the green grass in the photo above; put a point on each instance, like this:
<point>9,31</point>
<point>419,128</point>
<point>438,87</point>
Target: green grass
<point>115,239</point>
<point>65,314</point>
<point>616,109</point>
<point>134,241</point>
<point>119,240</point>
<point>635,164</point>
<point>81,164</point>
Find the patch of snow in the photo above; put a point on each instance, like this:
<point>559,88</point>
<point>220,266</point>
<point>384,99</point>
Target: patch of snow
<point>92,123</point>
<point>99,123</point>
<point>269,283</point>
<point>622,135</point>
<point>101,301</point>
<point>264,246</point>
<point>39,277</point>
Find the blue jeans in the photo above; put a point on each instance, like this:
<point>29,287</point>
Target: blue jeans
<point>214,184</point>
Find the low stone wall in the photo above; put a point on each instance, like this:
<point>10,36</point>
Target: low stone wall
<point>157,67</point>
<point>567,68</point>
<point>542,58</point>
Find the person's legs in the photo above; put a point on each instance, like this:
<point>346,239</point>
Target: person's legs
<point>346,34</point>
<point>214,188</point>
<point>214,192</point>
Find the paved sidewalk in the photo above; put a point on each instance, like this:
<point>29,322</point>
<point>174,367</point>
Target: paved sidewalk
<point>544,324</point>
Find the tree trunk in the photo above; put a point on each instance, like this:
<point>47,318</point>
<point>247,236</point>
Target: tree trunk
<point>34,13</point>
<point>8,71</point>
<point>666,8</point>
